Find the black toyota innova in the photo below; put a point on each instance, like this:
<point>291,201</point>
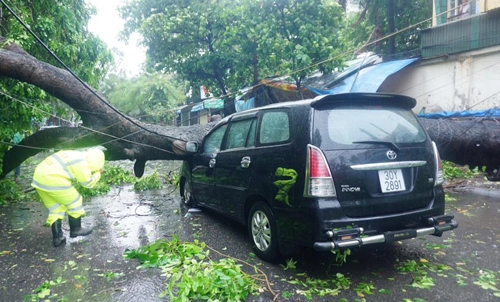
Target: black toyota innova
<point>333,172</point>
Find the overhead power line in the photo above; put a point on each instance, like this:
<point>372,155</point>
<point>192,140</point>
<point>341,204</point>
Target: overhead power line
<point>86,128</point>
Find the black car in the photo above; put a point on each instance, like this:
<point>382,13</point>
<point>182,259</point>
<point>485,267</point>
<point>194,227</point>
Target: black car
<point>333,172</point>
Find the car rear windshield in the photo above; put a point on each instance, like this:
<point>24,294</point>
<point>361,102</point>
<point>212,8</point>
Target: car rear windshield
<point>348,125</point>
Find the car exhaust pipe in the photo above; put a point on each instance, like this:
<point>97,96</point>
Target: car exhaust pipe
<point>324,246</point>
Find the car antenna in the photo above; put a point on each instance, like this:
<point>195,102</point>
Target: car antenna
<point>357,72</point>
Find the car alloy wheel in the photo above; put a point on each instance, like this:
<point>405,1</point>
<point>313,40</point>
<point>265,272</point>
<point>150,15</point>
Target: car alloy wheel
<point>187,193</point>
<point>262,229</point>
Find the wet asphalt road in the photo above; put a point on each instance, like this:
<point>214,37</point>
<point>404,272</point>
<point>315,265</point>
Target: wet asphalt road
<point>124,220</point>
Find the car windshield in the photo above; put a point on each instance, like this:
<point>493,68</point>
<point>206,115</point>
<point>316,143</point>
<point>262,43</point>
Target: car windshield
<point>349,125</point>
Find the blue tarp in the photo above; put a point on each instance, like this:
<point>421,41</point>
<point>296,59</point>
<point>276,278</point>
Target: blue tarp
<point>242,105</point>
<point>476,113</point>
<point>368,79</point>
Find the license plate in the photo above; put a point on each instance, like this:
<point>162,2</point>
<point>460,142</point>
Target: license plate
<point>391,180</point>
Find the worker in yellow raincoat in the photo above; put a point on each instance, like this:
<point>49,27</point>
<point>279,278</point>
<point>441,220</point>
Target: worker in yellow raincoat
<point>53,180</point>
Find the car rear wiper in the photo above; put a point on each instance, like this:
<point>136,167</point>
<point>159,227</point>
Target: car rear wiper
<point>393,145</point>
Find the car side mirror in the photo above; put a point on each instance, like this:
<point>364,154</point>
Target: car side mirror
<point>191,147</point>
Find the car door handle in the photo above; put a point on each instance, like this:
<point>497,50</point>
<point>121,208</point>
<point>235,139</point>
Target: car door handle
<point>245,162</point>
<point>197,168</point>
<point>212,162</point>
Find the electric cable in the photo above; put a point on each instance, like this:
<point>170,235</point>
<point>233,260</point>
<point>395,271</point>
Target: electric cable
<point>86,128</point>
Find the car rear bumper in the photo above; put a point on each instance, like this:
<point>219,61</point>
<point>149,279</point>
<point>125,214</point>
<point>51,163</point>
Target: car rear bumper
<point>354,236</point>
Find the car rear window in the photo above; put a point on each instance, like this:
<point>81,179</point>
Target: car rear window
<point>348,124</point>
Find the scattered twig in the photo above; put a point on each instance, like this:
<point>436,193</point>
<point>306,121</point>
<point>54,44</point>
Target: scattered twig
<point>266,280</point>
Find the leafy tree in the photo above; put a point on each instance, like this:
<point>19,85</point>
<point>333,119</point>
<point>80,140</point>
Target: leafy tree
<point>389,17</point>
<point>226,44</point>
<point>185,37</point>
<point>62,26</point>
<point>149,97</point>
<point>301,34</point>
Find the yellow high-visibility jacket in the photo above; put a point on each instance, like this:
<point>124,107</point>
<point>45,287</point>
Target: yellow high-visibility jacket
<point>57,171</point>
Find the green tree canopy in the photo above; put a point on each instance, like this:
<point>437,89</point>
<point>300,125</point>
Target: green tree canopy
<point>301,37</point>
<point>226,44</point>
<point>149,97</point>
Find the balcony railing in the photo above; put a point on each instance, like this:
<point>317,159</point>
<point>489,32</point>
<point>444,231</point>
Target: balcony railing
<point>466,34</point>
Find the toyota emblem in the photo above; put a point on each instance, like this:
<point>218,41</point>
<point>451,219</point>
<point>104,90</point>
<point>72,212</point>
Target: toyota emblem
<point>391,154</point>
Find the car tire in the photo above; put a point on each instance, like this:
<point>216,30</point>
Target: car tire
<point>493,174</point>
<point>263,232</point>
<point>187,194</point>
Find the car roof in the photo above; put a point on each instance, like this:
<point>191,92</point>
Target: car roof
<point>378,98</point>
<point>398,100</point>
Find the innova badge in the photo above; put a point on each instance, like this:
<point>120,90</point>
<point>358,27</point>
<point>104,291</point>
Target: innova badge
<point>391,154</point>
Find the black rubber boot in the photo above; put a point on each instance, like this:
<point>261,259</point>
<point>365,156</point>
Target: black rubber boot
<point>75,227</point>
<point>57,233</point>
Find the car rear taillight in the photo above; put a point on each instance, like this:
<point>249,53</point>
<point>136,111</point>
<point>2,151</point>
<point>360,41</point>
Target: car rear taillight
<point>319,181</point>
<point>438,178</point>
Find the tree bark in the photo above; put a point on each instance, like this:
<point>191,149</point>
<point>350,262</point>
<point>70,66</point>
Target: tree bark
<point>467,141</point>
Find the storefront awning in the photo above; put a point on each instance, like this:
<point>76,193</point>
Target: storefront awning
<point>208,104</point>
<point>197,107</point>
<point>214,104</point>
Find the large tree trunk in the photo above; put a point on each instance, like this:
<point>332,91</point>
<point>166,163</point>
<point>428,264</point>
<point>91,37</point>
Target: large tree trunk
<point>470,142</point>
<point>103,124</point>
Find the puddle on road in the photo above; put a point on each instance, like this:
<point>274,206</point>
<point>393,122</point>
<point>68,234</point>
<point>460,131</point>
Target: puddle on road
<point>132,219</point>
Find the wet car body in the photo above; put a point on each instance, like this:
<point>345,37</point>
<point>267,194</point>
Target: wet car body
<point>334,172</point>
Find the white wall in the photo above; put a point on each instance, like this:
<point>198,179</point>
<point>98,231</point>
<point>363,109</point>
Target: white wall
<point>468,81</point>
<point>204,117</point>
